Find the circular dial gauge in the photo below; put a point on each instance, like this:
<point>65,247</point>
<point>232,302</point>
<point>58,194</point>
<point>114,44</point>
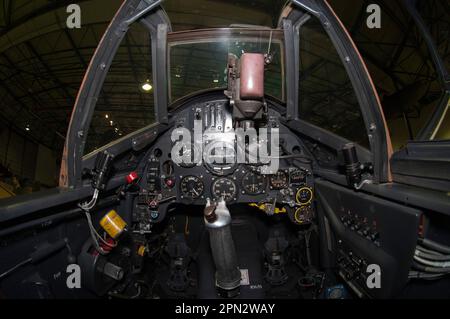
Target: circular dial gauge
<point>303,215</point>
<point>297,176</point>
<point>188,156</point>
<point>224,187</point>
<point>279,180</point>
<point>191,187</point>
<point>253,183</point>
<point>220,158</point>
<point>304,195</point>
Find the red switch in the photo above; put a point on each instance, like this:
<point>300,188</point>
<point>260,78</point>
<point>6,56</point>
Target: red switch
<point>132,177</point>
<point>169,182</point>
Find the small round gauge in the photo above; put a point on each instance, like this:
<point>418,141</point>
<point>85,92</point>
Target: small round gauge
<point>304,195</point>
<point>297,176</point>
<point>191,187</point>
<point>253,183</point>
<point>224,187</point>
<point>303,215</point>
<point>279,180</point>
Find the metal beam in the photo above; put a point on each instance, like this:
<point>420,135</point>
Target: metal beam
<point>49,71</point>
<point>75,48</point>
<point>23,106</point>
<point>51,6</point>
<point>31,96</point>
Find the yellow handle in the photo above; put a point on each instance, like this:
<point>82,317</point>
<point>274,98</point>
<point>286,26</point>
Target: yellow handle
<point>262,207</point>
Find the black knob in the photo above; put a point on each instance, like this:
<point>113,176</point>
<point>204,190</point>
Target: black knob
<point>366,231</point>
<point>374,236</point>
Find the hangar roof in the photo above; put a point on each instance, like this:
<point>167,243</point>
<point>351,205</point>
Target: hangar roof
<point>42,62</point>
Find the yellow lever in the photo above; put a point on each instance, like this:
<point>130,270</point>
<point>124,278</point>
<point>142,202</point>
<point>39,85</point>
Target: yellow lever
<point>263,207</point>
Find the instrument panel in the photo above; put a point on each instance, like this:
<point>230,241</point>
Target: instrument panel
<point>246,185</point>
<point>289,190</point>
<point>166,181</point>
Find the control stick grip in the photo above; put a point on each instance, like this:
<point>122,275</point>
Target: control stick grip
<point>218,223</point>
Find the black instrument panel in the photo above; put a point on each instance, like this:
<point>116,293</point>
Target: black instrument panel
<point>290,188</point>
<point>246,183</point>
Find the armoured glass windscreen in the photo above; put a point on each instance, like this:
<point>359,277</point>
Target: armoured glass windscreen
<point>327,98</point>
<point>436,16</point>
<point>401,65</point>
<point>126,101</point>
<point>198,60</point>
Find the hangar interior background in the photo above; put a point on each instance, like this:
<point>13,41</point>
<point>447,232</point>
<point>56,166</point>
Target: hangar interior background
<point>42,64</point>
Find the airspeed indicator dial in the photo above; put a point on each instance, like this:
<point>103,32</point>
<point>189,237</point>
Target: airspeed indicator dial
<point>224,187</point>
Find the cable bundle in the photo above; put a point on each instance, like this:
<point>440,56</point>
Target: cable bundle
<point>86,207</point>
<point>431,260</point>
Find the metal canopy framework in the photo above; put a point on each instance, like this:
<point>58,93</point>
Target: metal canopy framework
<point>42,62</point>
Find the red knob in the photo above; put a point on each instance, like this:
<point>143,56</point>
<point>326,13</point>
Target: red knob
<point>170,182</point>
<point>132,177</point>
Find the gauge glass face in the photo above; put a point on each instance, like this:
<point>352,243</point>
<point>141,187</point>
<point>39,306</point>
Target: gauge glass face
<point>191,187</point>
<point>279,180</point>
<point>303,215</point>
<point>220,158</point>
<point>304,195</point>
<point>224,187</point>
<point>297,176</point>
<point>253,183</point>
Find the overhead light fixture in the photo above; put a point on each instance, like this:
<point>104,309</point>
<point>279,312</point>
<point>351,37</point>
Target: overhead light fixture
<point>106,116</point>
<point>27,128</point>
<point>146,86</point>
<point>111,123</point>
<point>177,76</point>
<point>216,81</point>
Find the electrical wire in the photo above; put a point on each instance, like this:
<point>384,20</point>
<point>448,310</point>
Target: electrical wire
<point>270,42</point>
<point>431,256</point>
<point>93,233</point>
<point>91,204</point>
<point>12,269</point>
<point>95,236</point>
<point>429,251</point>
<point>424,275</point>
<point>428,243</point>
<point>431,263</point>
<point>440,264</point>
<point>430,269</point>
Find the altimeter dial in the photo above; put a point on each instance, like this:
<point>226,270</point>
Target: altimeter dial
<point>191,187</point>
